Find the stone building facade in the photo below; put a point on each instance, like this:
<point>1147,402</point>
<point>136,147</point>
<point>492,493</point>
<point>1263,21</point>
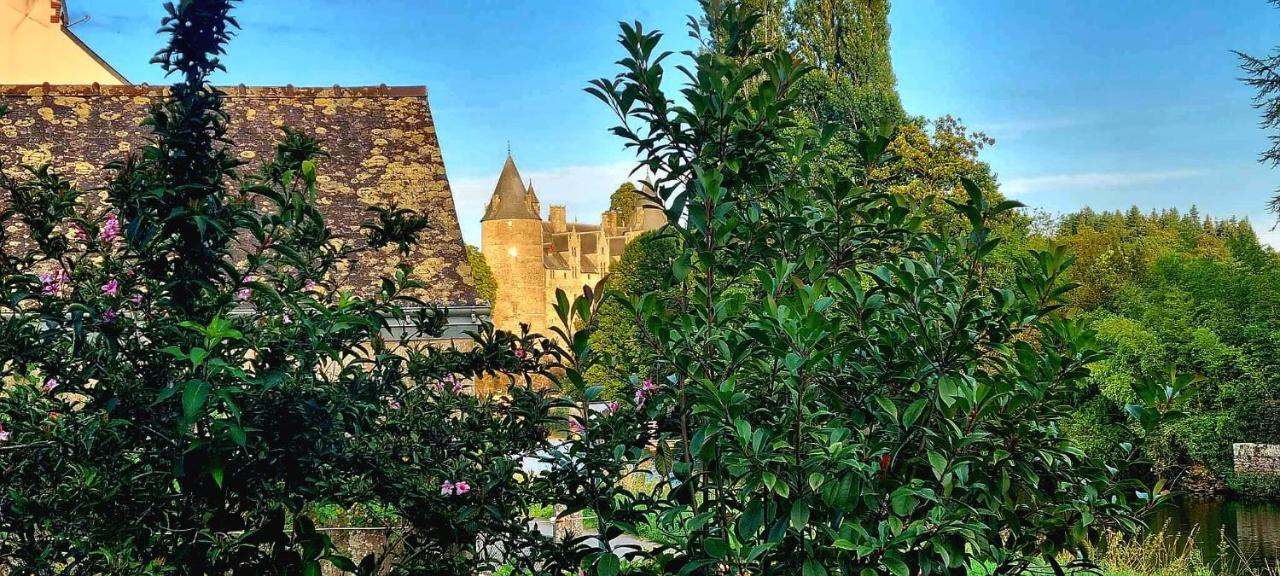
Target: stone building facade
<point>531,258</point>
<point>380,144</point>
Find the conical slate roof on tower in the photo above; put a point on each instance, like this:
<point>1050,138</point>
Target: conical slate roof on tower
<point>509,201</point>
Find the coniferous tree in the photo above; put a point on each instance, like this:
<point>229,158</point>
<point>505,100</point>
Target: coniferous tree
<point>1263,74</point>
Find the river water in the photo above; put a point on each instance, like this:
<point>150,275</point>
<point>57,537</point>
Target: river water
<point>1251,527</point>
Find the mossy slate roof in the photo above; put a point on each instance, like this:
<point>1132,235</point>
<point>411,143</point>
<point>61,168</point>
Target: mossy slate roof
<point>381,142</point>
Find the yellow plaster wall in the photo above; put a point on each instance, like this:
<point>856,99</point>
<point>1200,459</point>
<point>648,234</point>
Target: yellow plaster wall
<point>34,48</point>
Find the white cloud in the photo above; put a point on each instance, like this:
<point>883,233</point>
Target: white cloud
<point>1092,180</point>
<point>583,190</point>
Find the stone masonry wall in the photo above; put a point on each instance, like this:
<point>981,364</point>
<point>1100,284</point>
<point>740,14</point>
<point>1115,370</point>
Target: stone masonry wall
<point>1257,459</point>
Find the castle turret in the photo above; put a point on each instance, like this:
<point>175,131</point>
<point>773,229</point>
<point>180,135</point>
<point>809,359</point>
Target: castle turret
<point>609,223</point>
<point>511,240</point>
<point>648,217</point>
<point>531,198</point>
<point>559,219</point>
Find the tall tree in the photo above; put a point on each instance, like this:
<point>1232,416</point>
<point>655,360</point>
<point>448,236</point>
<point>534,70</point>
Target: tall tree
<point>848,42</point>
<point>624,201</point>
<point>1263,74</point>
<point>486,284</point>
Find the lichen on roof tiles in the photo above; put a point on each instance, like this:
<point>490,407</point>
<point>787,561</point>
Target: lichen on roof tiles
<point>381,145</point>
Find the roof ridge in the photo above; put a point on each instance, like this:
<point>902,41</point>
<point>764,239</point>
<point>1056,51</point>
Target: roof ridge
<point>240,90</point>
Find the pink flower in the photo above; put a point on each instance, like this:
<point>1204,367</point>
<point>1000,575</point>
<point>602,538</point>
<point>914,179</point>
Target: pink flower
<point>244,293</point>
<point>50,384</point>
<point>4,434</point>
<point>286,320</point>
<point>309,284</point>
<point>611,407</point>
<point>78,232</point>
<point>109,315</point>
<point>458,488</point>
<point>111,288</point>
<point>54,282</point>
<point>647,388</point>
<point>110,229</point>
<point>393,404</point>
<point>520,353</point>
<point>455,385</point>
<point>575,426</point>
<point>136,299</point>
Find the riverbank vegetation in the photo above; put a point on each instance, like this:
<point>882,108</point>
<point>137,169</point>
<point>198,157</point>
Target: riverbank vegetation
<point>1178,291</point>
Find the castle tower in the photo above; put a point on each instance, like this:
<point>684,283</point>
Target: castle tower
<point>532,199</point>
<point>511,240</point>
<point>37,47</point>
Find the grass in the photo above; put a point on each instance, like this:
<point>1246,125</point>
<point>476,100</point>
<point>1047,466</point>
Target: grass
<point>1155,554</point>
<point>1161,553</point>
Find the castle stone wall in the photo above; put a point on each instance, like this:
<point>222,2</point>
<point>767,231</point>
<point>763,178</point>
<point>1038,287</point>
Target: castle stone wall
<point>1257,459</point>
<point>513,250</point>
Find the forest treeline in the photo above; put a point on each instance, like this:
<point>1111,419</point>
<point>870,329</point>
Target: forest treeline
<point>1169,290</point>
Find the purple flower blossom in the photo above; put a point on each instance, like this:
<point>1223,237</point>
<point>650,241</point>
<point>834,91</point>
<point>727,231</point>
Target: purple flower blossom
<point>109,315</point>
<point>50,384</point>
<point>136,299</point>
<point>575,426</point>
<point>452,381</point>
<point>647,388</point>
<point>446,489</point>
<point>54,282</point>
<point>285,319</point>
<point>244,293</point>
<point>110,229</point>
<point>520,353</point>
<point>78,232</point>
<point>309,284</point>
<point>611,407</point>
<point>461,488</point>
<point>4,434</point>
<point>393,404</point>
<point>111,288</point>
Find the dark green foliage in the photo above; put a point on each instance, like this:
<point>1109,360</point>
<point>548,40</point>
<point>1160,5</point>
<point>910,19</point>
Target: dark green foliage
<point>1169,290</point>
<point>179,388</point>
<point>617,337</point>
<point>624,201</point>
<point>848,42</point>
<point>486,284</point>
<point>836,390</point>
<point>1262,73</point>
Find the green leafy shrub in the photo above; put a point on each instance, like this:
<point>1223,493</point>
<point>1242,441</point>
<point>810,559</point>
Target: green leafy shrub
<point>837,390</point>
<point>180,392</point>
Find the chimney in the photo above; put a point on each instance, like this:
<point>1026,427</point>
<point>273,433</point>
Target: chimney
<point>609,223</point>
<point>55,11</point>
<point>557,217</point>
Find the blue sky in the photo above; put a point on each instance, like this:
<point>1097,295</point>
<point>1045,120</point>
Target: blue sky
<point>1091,102</point>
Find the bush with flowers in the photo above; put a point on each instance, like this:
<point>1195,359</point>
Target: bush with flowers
<point>835,389</point>
<point>179,387</point>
